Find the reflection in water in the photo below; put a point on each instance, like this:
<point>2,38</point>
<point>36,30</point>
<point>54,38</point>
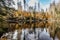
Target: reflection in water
<point>26,31</point>
<point>15,34</point>
<point>28,34</point>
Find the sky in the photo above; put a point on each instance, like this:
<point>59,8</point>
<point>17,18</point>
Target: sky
<point>43,3</point>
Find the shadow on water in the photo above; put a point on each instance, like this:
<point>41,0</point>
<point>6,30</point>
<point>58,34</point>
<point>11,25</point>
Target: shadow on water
<point>27,31</point>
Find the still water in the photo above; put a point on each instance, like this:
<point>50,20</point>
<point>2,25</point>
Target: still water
<point>27,31</point>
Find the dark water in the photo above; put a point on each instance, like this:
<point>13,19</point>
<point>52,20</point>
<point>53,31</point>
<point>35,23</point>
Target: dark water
<point>26,31</point>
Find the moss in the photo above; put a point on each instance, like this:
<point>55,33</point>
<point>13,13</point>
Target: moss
<point>1,32</point>
<point>1,19</point>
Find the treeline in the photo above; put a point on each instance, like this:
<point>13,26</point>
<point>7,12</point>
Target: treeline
<point>5,12</point>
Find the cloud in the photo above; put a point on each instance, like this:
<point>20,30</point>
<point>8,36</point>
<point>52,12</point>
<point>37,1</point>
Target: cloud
<point>15,6</point>
<point>42,6</point>
<point>32,2</point>
<point>56,1</point>
<point>51,1</point>
<point>22,3</point>
<point>45,6</point>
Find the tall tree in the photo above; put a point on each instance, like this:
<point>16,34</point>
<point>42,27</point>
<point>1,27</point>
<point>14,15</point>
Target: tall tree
<point>3,2</point>
<point>24,3</point>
